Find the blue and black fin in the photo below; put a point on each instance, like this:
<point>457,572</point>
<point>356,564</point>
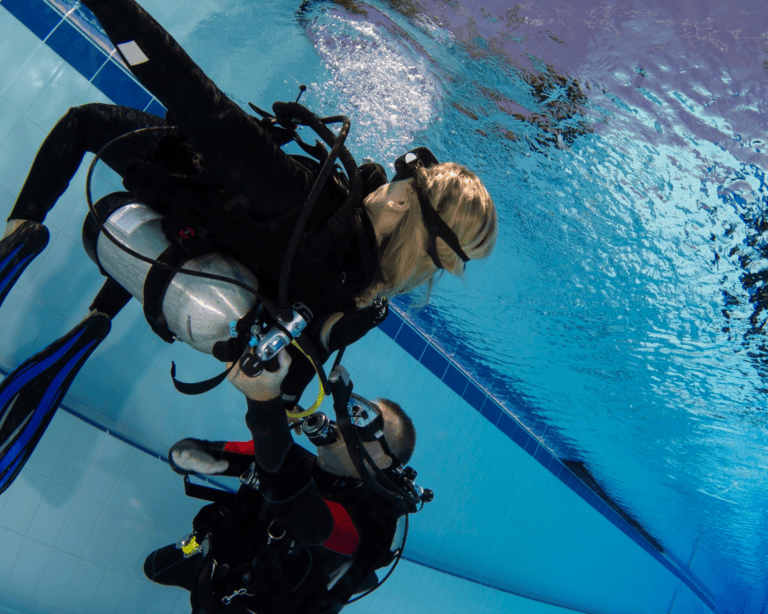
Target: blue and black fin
<point>17,250</point>
<point>30,395</point>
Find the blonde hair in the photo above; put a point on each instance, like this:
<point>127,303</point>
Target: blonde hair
<point>464,204</point>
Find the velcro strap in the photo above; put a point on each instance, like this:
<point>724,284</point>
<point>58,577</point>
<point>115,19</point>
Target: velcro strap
<point>155,286</point>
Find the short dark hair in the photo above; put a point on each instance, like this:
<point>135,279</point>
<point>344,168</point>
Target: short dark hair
<point>402,441</point>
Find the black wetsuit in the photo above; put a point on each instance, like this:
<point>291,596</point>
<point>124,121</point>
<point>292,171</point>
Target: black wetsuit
<point>337,532</point>
<point>250,192</point>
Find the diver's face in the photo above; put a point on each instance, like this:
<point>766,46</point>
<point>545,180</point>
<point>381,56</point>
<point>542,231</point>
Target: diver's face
<point>387,205</point>
<point>335,459</point>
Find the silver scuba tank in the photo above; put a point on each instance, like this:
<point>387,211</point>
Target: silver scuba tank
<point>197,310</point>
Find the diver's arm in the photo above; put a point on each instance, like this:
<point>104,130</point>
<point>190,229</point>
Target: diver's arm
<point>349,329</point>
<point>238,151</point>
<point>284,476</point>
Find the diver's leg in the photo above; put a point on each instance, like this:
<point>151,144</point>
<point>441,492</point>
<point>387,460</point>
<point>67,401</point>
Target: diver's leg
<point>169,567</point>
<point>31,393</point>
<point>85,128</point>
<point>236,149</point>
<point>82,129</point>
<point>200,456</point>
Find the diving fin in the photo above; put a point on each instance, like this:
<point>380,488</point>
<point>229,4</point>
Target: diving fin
<point>31,393</point>
<point>17,250</point>
<point>198,456</point>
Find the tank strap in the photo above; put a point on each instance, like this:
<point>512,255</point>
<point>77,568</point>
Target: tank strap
<point>155,286</point>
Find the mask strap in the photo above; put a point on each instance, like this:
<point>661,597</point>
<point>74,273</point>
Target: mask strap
<point>436,226</point>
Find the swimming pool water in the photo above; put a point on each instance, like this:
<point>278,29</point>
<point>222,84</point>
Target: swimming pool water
<point>620,317</point>
<point>622,314</point>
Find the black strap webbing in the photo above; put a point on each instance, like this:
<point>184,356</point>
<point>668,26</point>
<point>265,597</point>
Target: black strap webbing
<point>199,387</point>
<point>206,493</point>
<point>155,286</point>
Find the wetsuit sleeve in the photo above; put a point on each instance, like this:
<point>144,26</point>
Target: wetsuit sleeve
<point>352,327</point>
<point>284,475</point>
<point>236,149</point>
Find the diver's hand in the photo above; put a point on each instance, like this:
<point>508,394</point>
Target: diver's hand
<point>266,385</point>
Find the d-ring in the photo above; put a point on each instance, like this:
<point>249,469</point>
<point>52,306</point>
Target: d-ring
<point>274,537</point>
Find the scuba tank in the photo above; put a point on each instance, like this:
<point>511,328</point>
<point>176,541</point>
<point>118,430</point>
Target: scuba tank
<point>222,322</point>
<point>196,310</point>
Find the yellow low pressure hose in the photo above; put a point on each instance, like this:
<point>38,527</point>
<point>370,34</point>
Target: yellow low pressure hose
<point>320,393</point>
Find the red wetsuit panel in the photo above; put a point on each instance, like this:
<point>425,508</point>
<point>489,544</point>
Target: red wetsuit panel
<point>345,539</point>
<point>240,447</point>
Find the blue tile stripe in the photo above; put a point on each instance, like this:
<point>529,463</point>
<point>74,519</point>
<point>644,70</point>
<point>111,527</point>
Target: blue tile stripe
<point>66,35</point>
<point>405,335</point>
<point>114,82</point>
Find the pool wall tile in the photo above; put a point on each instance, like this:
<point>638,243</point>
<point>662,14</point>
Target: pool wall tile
<point>80,456</point>
<point>391,326</point>
<point>78,52</point>
<point>117,86</point>
<point>475,396</point>
<point>455,380</point>
<point>411,341</point>
<point>434,361</point>
<point>493,413</point>
<point>37,16</point>
<point>155,108</point>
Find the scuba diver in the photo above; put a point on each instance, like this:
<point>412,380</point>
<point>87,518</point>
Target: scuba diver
<point>304,533</point>
<point>213,185</point>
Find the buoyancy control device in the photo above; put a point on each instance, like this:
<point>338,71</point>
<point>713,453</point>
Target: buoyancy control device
<point>210,300</point>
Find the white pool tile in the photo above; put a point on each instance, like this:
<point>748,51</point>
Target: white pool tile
<point>109,530</point>
<point>107,465</point>
<point>48,452</point>
<point>28,570</point>
<point>15,603</point>
<point>9,117</point>
<point>52,513</point>
<point>55,100</point>
<point>137,597</point>
<point>12,543</point>
<point>33,77</point>
<point>133,547</point>
<point>18,151</point>
<point>133,481</point>
<point>82,590</point>
<point>161,486</point>
<point>24,316</point>
<point>113,588</point>
<point>80,525</point>
<point>78,454</point>
<point>61,258</point>
<point>23,499</point>
<point>56,578</point>
<point>164,599</point>
<point>17,45</point>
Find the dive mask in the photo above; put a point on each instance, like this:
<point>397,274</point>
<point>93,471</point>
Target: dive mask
<point>406,167</point>
<point>365,417</point>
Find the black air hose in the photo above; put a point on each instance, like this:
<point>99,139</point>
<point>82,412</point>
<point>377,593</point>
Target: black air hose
<point>343,219</point>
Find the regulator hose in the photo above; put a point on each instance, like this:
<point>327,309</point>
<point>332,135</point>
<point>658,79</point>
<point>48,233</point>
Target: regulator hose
<point>289,113</point>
